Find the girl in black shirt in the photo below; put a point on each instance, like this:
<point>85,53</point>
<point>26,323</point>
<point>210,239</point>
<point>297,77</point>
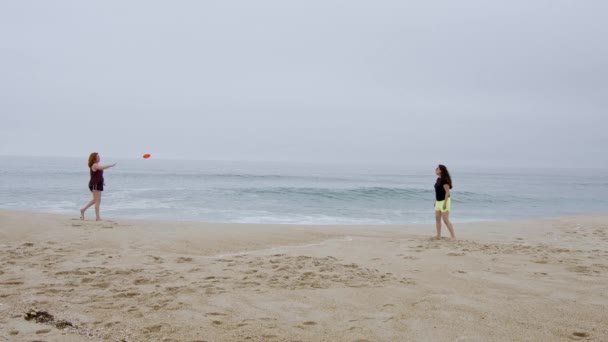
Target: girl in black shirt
<point>443,201</point>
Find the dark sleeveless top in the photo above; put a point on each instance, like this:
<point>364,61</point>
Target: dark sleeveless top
<point>96,177</point>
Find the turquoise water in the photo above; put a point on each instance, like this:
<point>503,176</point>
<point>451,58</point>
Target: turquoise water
<point>296,193</point>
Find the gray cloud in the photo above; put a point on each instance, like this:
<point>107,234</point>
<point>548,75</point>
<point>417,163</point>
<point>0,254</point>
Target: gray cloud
<point>471,82</point>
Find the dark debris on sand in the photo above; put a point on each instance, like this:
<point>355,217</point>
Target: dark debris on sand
<point>44,317</point>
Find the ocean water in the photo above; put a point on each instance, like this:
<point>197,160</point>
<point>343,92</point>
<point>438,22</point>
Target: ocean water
<point>296,193</point>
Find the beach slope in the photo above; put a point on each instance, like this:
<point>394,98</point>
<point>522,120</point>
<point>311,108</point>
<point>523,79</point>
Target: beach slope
<point>538,280</point>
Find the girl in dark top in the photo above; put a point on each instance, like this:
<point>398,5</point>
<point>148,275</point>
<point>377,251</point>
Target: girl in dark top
<point>443,202</point>
<point>95,184</point>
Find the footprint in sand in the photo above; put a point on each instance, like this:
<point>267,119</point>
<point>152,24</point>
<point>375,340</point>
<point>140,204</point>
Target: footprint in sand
<point>110,324</point>
<point>12,282</point>
<point>224,260</point>
<point>456,254</point>
<point>153,328</point>
<point>580,269</point>
<point>407,281</point>
<point>143,281</point>
<point>156,259</point>
<point>127,295</point>
<point>578,335</point>
<point>182,260</point>
<point>215,314</point>
<point>101,285</point>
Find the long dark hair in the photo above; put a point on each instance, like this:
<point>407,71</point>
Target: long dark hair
<point>445,175</point>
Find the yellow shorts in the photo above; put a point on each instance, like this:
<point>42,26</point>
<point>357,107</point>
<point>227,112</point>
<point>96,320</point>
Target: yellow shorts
<point>439,206</point>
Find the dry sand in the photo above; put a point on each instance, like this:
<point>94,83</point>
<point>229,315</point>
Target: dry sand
<point>541,280</point>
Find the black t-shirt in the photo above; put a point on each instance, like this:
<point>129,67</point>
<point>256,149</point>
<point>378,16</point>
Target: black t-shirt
<point>439,190</point>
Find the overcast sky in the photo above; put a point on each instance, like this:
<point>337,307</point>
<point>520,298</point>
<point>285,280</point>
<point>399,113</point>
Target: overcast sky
<point>496,82</point>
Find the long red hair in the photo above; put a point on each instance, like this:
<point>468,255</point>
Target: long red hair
<point>93,159</point>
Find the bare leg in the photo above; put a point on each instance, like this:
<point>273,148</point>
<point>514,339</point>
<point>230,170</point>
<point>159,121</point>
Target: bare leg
<point>97,197</point>
<point>91,202</point>
<point>438,224</point>
<point>446,219</point>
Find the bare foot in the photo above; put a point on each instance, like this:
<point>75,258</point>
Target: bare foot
<point>82,214</point>
<point>98,219</point>
<point>436,238</point>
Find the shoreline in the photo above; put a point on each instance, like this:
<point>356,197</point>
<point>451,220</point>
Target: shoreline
<point>403,224</point>
<point>541,280</point>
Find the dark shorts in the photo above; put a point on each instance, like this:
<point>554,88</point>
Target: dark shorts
<point>98,187</point>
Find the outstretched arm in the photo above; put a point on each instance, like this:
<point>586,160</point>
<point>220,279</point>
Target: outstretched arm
<point>97,167</point>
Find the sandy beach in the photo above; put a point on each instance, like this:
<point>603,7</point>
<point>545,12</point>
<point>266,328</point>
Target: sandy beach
<point>127,280</point>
